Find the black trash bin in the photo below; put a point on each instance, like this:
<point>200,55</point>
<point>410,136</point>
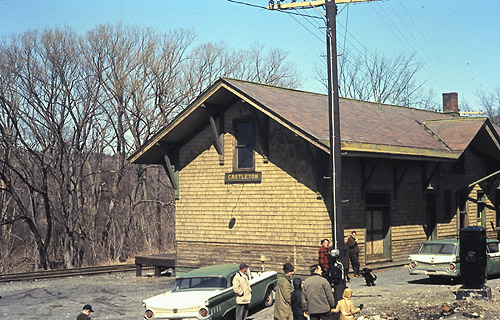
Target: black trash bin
<point>473,257</point>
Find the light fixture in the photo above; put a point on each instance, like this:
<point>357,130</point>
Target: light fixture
<point>429,187</point>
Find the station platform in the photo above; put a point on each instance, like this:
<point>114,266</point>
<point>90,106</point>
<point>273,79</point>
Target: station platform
<point>159,261</point>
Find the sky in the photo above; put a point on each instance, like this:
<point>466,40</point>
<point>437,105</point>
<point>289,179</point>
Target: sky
<point>457,42</point>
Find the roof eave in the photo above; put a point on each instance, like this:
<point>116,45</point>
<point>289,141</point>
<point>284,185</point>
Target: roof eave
<point>358,148</point>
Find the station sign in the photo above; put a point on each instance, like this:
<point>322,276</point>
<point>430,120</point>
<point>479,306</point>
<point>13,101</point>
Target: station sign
<point>243,177</point>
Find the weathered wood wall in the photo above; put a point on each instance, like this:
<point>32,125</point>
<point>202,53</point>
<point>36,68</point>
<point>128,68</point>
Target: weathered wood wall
<point>282,218</point>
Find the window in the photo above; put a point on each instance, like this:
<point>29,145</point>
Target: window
<point>438,248</point>
<point>493,247</point>
<point>200,282</point>
<point>244,154</point>
<point>481,204</point>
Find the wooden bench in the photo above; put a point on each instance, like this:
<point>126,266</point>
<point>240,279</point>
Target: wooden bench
<point>159,261</point>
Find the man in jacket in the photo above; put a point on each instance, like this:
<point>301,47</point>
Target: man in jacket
<point>323,255</point>
<point>284,289</point>
<point>241,287</point>
<point>317,296</point>
<point>352,243</point>
<point>324,258</point>
<point>85,314</point>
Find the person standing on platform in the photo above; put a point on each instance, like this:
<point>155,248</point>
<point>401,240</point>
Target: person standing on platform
<point>352,243</point>
<point>241,286</point>
<point>284,289</point>
<point>317,297</point>
<point>298,313</point>
<point>324,257</point>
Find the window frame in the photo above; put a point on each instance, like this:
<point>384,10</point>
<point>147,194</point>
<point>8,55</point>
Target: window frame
<point>238,147</point>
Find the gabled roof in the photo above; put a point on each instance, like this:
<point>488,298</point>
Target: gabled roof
<point>456,133</point>
<point>366,127</point>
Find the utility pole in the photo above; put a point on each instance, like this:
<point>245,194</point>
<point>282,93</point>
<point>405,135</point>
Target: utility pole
<point>334,119</point>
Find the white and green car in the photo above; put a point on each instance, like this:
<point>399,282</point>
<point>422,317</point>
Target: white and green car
<point>441,258</point>
<point>207,294</point>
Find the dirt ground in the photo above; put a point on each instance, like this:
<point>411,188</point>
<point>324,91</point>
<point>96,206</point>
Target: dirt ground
<point>396,295</point>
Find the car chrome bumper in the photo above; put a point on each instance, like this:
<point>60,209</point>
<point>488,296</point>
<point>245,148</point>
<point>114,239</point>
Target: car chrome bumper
<point>443,273</point>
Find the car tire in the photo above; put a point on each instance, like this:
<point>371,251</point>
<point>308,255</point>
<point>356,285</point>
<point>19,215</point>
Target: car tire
<point>268,298</point>
<point>231,315</point>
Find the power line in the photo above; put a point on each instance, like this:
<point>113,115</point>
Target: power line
<point>429,46</point>
<point>262,7</point>
<point>316,36</point>
<point>346,23</point>
<point>408,46</point>
<point>403,23</point>
<point>247,4</point>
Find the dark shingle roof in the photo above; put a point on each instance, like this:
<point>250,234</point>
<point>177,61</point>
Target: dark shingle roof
<point>365,126</point>
<point>366,122</point>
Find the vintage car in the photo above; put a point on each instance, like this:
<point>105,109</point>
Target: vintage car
<point>441,258</point>
<point>207,294</point>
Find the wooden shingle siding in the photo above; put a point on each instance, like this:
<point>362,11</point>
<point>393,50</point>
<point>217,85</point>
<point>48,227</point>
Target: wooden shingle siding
<point>282,217</point>
<point>216,253</point>
<point>281,210</point>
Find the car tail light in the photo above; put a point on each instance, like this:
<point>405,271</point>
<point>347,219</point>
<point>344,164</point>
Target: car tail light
<point>413,265</point>
<point>203,312</point>
<point>451,267</point>
<point>149,314</point>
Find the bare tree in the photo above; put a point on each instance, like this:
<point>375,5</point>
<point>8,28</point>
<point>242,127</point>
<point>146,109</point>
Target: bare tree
<point>269,67</point>
<point>490,102</point>
<point>377,78</point>
<point>140,74</point>
<point>211,61</point>
<point>51,124</point>
<point>72,108</point>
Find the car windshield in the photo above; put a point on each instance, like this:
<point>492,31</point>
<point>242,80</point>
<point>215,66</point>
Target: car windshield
<point>493,247</point>
<point>200,283</point>
<point>439,248</point>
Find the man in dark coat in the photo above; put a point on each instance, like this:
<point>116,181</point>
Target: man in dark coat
<point>354,252</point>
<point>85,314</point>
<point>284,289</point>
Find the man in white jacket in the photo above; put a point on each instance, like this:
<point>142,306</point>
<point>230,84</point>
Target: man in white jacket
<point>241,287</point>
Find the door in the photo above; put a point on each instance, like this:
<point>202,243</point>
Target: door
<point>374,234</point>
<point>377,238</point>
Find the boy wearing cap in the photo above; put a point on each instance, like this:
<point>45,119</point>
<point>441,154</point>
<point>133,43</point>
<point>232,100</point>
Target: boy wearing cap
<point>284,289</point>
<point>241,287</point>
<point>85,314</point>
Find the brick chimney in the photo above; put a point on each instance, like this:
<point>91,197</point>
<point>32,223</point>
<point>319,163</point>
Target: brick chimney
<point>450,103</point>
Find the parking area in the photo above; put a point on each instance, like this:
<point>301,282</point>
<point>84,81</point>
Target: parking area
<point>119,296</point>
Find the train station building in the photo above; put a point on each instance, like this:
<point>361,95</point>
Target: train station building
<point>248,164</point>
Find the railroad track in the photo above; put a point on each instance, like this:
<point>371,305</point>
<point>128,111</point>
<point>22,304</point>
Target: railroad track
<point>48,274</point>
